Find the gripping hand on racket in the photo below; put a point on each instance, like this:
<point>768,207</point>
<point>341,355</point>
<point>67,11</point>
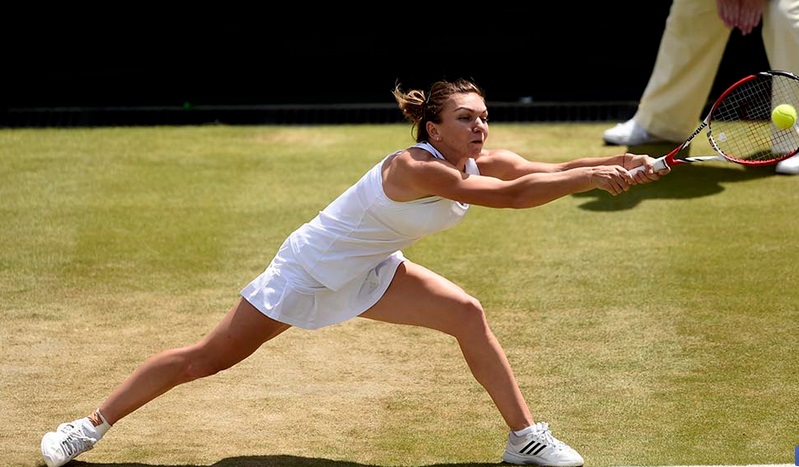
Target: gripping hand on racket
<point>643,168</point>
<point>616,179</point>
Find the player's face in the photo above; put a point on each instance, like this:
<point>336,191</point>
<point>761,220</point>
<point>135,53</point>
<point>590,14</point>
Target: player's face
<point>464,124</point>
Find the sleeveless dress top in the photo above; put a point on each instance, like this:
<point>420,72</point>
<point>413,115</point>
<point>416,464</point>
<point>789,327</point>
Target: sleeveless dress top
<point>340,264</point>
<point>361,227</point>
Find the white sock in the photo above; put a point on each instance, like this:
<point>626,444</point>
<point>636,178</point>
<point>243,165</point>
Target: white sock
<point>523,431</point>
<point>101,429</point>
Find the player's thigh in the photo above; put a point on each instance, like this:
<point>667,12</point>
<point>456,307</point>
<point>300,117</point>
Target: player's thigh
<point>240,333</point>
<point>421,297</point>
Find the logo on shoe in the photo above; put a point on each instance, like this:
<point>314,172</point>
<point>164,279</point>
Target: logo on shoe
<point>533,448</point>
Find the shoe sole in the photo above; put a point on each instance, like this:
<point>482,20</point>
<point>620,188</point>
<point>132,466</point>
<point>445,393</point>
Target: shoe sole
<point>510,458</point>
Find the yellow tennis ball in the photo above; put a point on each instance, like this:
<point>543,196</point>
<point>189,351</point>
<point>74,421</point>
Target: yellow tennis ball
<point>784,116</point>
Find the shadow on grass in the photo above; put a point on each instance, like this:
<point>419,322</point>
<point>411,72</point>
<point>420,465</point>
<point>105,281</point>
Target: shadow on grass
<point>685,181</point>
<point>269,461</point>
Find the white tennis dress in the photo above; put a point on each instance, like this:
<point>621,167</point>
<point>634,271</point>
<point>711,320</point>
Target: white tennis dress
<point>340,263</point>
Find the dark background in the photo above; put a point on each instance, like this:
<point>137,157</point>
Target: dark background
<point>262,54</point>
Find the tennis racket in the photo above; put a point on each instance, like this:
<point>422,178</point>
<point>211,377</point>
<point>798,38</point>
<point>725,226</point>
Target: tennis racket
<point>739,126</point>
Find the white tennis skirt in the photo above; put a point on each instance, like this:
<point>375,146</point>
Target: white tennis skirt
<point>285,292</point>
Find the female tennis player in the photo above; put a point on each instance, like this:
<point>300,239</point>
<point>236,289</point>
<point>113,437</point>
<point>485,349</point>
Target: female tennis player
<point>347,262</point>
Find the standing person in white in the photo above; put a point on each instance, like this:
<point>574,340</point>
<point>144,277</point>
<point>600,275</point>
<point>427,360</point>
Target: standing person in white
<point>347,262</point>
<point>691,49</point>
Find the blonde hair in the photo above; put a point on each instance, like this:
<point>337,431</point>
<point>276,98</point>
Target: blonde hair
<point>419,107</point>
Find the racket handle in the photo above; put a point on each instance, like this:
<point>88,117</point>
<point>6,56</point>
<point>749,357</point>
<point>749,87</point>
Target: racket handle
<point>660,164</point>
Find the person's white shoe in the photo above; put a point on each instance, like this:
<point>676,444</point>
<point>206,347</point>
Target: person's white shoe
<point>540,448</point>
<point>67,441</point>
<point>629,133</point>
<point>789,166</point>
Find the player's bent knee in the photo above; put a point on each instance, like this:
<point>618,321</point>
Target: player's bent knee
<point>471,315</point>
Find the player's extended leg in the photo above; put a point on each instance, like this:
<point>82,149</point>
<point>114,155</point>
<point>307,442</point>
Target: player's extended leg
<point>242,331</point>
<point>420,297</point>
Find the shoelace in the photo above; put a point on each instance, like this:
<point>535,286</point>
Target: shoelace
<point>76,442</point>
<point>543,431</point>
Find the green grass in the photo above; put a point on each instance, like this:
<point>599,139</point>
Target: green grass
<point>657,327</point>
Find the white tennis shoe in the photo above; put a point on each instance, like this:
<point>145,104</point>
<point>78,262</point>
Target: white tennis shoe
<point>69,440</point>
<point>789,166</point>
<point>629,133</point>
<point>540,448</point>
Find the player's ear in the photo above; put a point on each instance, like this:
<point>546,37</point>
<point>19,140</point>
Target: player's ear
<point>432,130</point>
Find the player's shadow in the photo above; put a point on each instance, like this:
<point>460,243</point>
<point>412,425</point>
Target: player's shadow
<point>685,181</point>
<point>269,461</point>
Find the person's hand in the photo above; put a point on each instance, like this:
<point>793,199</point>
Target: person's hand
<point>647,175</point>
<point>742,14</point>
<point>614,179</point>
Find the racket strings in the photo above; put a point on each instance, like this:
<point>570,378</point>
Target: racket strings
<point>740,123</point>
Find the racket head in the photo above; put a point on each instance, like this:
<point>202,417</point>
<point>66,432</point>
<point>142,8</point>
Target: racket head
<point>739,123</point>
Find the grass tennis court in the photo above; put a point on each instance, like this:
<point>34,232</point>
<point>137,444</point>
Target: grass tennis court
<point>658,327</point>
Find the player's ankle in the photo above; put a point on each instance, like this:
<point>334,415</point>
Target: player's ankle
<point>101,425</point>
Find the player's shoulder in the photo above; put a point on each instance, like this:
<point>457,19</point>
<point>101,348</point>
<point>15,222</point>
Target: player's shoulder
<point>418,153</point>
<point>497,154</point>
<point>503,163</point>
<point>412,155</point>
<point>411,160</point>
